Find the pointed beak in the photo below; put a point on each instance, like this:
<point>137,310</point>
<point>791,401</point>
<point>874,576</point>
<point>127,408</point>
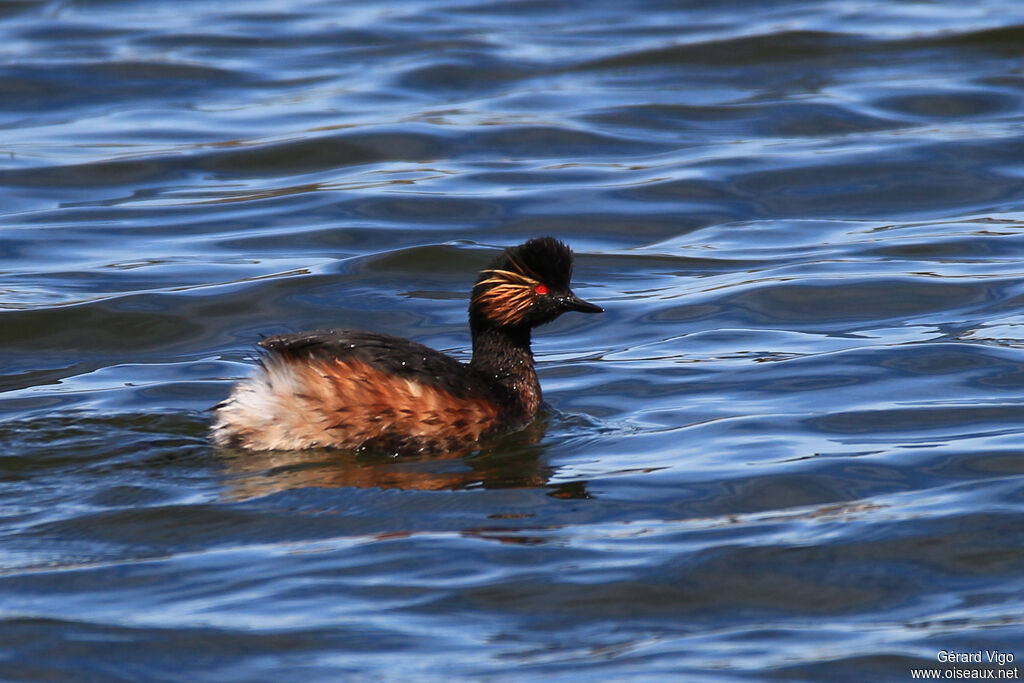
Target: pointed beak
<point>574,303</point>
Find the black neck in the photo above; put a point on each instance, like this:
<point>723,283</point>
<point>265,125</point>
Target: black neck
<point>503,355</point>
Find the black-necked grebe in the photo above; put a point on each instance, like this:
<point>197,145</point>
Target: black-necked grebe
<point>351,389</point>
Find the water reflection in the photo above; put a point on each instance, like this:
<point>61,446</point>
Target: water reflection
<point>511,461</point>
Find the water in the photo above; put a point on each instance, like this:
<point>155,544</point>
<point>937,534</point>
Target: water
<point>790,450</point>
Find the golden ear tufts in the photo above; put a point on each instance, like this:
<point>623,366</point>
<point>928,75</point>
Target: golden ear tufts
<point>508,277</point>
<point>508,298</point>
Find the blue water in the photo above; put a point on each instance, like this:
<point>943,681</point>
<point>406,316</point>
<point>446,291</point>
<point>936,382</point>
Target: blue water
<point>791,449</point>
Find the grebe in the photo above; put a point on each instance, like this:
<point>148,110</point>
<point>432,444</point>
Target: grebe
<point>350,389</point>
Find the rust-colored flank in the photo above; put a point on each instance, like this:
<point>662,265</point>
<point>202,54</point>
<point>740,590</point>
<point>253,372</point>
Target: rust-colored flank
<point>351,389</point>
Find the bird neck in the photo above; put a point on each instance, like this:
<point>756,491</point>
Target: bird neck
<point>503,355</point>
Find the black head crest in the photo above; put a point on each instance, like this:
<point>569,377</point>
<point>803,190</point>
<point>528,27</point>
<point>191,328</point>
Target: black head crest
<point>544,260</point>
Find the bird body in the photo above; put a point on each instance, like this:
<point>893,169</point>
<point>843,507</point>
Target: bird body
<point>352,389</point>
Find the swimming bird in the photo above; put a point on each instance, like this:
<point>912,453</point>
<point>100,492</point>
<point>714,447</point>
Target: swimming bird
<point>351,389</point>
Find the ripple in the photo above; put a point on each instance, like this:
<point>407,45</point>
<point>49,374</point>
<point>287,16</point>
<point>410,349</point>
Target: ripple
<point>733,51</point>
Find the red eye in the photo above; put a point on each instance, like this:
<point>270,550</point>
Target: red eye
<point>542,289</point>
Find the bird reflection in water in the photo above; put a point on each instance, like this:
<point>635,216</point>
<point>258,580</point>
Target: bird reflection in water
<point>510,461</point>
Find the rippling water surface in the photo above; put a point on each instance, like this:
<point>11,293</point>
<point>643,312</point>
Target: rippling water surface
<point>792,449</point>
